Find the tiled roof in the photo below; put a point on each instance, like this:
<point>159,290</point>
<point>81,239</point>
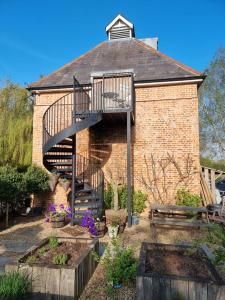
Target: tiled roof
<point>147,64</point>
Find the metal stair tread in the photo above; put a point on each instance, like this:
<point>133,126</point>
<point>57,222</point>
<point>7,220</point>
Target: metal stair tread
<point>60,149</point>
<point>87,205</point>
<point>87,197</point>
<point>61,163</point>
<point>66,142</point>
<point>58,156</point>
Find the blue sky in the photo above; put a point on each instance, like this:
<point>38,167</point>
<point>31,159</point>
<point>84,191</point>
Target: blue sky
<point>37,37</point>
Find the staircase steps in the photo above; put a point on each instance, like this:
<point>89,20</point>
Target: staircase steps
<point>86,197</point>
<point>61,163</point>
<point>60,149</point>
<point>88,205</point>
<point>58,156</point>
<point>66,142</point>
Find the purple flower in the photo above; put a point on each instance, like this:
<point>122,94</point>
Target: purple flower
<point>61,206</point>
<point>52,207</point>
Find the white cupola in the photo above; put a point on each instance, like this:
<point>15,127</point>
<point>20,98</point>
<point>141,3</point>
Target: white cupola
<point>120,28</point>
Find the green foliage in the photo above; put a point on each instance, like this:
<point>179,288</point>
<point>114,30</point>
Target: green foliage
<point>11,184</point>
<point>122,193</point>
<point>36,180</point>
<point>212,108</point>
<point>42,251</point>
<point>53,242</point>
<point>119,263</point>
<point>108,197</point>
<point>16,110</point>
<point>138,199</point>
<point>15,286</point>
<point>31,259</point>
<point>60,259</point>
<point>219,256</point>
<point>218,165</point>
<point>185,198</point>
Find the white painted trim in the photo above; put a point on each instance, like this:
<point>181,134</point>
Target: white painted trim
<point>119,17</point>
<point>167,82</point>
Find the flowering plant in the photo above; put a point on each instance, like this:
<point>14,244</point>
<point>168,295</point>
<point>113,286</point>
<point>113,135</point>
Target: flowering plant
<point>89,222</point>
<point>58,213</point>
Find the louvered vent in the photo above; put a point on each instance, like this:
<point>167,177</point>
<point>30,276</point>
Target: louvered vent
<point>120,28</point>
<point>120,32</point>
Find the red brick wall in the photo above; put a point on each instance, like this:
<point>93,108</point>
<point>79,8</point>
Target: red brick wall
<point>166,122</point>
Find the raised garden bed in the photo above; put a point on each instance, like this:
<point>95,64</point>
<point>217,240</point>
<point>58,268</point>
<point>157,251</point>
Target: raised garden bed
<point>172,272</point>
<point>52,281</point>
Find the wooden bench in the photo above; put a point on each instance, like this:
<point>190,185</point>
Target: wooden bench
<point>178,216</point>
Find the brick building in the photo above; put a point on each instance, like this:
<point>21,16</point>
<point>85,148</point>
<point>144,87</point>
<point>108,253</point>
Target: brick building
<point>128,109</point>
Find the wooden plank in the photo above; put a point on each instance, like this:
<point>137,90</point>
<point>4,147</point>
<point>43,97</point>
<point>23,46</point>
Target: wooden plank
<point>171,208</point>
<point>179,223</point>
<point>201,290</point>
<point>182,289</point>
<point>164,289</point>
<point>11,268</point>
<point>67,284</point>
<point>191,291</point>
<point>148,288</point>
<point>213,186</point>
<point>52,283</point>
<point>39,282</point>
<point>139,287</point>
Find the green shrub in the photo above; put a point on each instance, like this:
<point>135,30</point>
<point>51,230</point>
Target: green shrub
<point>42,251</point>
<point>119,263</point>
<point>60,259</point>
<point>185,198</point>
<point>108,197</point>
<point>36,180</point>
<point>122,194</point>
<point>53,242</point>
<point>31,259</point>
<point>15,286</point>
<point>139,199</point>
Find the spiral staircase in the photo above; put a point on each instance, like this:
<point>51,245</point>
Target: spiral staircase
<point>67,116</point>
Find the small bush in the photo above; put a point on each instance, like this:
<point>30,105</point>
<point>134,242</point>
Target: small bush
<point>31,259</point>
<point>15,286</point>
<point>185,198</point>
<point>36,180</point>
<point>42,251</point>
<point>53,242</point>
<point>138,199</point>
<point>60,259</point>
<point>108,197</point>
<point>119,263</point>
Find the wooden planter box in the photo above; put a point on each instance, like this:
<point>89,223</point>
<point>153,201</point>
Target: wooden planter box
<point>150,285</point>
<point>59,282</point>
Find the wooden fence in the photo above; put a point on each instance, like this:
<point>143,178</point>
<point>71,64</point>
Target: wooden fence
<point>208,184</point>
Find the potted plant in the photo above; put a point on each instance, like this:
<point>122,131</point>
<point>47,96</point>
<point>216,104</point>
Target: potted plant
<point>96,227</point>
<point>113,226</point>
<point>65,183</point>
<point>100,227</point>
<point>58,214</point>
